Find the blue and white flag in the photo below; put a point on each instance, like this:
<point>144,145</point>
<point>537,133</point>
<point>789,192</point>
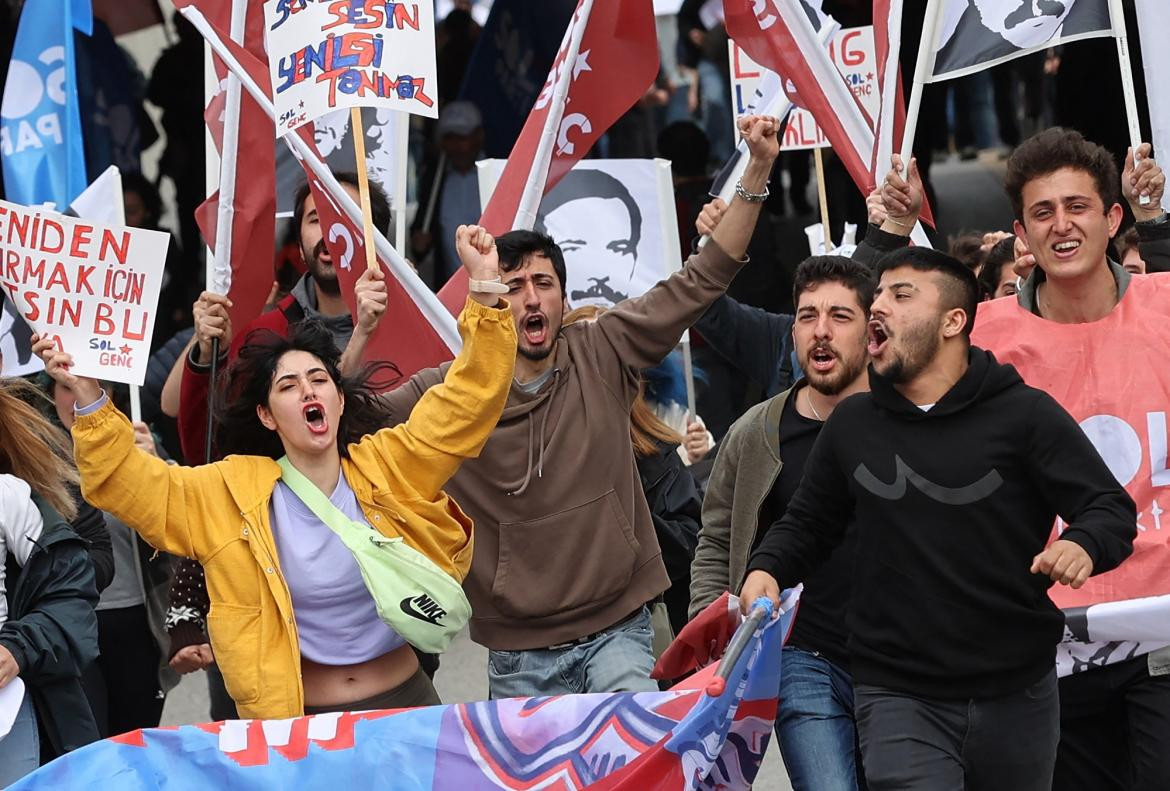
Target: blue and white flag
<point>40,120</point>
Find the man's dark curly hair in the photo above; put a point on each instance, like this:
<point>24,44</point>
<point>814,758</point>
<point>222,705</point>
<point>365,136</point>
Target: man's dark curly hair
<point>249,381</point>
<point>1052,150</point>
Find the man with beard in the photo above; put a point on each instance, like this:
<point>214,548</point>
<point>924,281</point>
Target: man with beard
<point>759,466</point>
<point>566,557</point>
<point>953,472</point>
<point>1092,334</point>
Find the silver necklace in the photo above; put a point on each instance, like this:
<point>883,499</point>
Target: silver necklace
<point>816,414</point>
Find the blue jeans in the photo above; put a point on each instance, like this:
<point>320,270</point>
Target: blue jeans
<point>815,726</point>
<point>618,659</point>
<point>20,750</point>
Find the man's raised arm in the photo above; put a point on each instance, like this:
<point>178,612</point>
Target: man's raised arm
<point>640,332</point>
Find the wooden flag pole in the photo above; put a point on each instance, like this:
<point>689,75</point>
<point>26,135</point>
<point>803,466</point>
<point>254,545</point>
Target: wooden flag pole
<point>820,162</point>
<point>359,150</point>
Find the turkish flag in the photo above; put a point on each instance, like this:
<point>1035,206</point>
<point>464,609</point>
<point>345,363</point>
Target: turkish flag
<point>607,60</point>
<point>404,337</point>
<point>779,35</point>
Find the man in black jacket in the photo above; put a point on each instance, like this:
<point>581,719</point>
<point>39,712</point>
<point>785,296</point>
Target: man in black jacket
<point>954,471</point>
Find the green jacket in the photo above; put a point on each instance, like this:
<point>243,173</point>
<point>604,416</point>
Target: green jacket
<point>744,472</point>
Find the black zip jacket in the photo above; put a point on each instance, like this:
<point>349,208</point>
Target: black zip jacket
<point>951,507</point>
<point>677,512</point>
<point>52,632</point>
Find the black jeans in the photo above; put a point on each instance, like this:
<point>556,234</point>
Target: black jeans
<point>919,744</point>
<point>1115,729</point>
<point>130,697</point>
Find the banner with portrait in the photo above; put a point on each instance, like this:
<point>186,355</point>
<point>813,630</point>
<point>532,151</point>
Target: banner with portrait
<point>614,220</point>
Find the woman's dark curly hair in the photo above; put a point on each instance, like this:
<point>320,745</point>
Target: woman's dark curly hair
<point>249,380</point>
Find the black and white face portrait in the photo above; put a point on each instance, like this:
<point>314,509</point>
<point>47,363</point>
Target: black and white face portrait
<point>333,139</point>
<point>978,33</point>
<point>611,251</point>
<point>1024,23</point>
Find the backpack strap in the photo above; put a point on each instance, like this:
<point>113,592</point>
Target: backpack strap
<point>293,311</point>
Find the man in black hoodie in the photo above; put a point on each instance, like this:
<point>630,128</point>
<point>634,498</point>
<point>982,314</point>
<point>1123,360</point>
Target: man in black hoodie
<point>954,471</point>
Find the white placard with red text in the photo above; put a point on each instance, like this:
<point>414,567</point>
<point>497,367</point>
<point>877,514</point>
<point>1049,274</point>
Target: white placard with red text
<point>852,52</point>
<point>325,55</point>
<point>93,287</point>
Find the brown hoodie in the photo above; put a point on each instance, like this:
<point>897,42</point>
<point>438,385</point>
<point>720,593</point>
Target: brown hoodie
<point>564,543</point>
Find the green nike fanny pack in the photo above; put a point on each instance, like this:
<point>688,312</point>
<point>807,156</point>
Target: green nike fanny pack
<point>413,596</point>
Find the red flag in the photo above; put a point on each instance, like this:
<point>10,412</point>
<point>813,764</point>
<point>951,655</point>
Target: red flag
<point>608,58</point>
<point>702,640</point>
<point>409,323</point>
<point>253,207</point>
<point>404,337</point>
<point>781,38</point>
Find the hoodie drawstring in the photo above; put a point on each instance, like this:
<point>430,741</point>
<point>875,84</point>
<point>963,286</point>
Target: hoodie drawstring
<point>543,425</point>
<point>528,473</point>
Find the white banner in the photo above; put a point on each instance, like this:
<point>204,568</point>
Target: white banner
<point>93,287</point>
<point>615,221</point>
<point>330,54</point>
<point>853,54</point>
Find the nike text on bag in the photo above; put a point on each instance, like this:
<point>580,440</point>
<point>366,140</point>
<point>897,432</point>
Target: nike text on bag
<point>415,597</point>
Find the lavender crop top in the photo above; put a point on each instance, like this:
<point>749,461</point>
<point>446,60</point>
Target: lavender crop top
<point>337,620</point>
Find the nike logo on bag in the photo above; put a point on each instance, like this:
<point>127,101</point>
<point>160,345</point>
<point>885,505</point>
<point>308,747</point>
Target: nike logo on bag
<point>963,495</point>
<point>424,608</point>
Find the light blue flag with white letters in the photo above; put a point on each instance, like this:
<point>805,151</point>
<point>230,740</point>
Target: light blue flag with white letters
<point>40,122</point>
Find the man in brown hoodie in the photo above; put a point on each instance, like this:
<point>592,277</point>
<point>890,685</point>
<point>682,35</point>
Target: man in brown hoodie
<point>565,556</point>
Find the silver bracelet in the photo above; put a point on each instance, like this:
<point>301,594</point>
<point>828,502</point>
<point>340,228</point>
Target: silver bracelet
<point>751,197</point>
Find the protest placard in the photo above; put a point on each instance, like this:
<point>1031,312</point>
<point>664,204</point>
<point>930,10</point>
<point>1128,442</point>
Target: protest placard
<point>92,287</point>
<point>325,55</point>
<point>853,53</point>
<point>615,220</point>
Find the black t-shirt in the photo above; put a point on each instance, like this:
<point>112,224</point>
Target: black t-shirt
<point>820,619</point>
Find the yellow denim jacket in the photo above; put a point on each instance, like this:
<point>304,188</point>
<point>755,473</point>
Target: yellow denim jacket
<point>218,514</point>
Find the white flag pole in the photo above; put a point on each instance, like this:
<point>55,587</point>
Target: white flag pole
<point>437,315</point>
<point>887,109</point>
<point>538,175</point>
<point>221,270</point>
<point>401,159</point>
<point>922,72</point>
<point>120,215</point>
<point>1117,17</point>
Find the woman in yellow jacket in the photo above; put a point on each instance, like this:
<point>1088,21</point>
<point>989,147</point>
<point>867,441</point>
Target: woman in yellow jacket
<point>293,627</point>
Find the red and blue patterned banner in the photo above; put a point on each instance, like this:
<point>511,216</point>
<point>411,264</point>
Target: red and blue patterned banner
<point>684,738</point>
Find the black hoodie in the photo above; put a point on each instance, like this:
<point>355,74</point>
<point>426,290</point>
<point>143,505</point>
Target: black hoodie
<point>951,506</point>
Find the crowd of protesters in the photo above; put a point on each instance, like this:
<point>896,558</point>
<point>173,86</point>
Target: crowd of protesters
<point>891,437</point>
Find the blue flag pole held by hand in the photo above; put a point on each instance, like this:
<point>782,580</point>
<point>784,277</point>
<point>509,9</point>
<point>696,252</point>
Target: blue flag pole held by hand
<point>40,120</point>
